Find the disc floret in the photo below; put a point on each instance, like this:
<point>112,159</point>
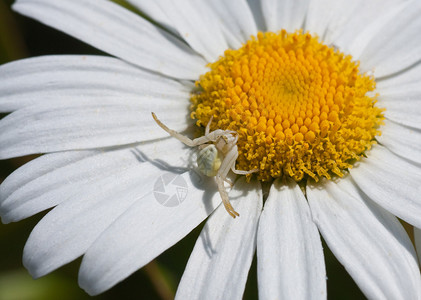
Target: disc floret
<point>300,108</point>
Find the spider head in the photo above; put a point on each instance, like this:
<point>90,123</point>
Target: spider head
<point>225,141</point>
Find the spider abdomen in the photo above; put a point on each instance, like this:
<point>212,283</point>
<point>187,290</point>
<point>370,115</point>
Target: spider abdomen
<point>209,160</point>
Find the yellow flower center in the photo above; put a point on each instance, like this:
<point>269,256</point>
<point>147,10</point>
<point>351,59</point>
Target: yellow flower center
<point>301,108</point>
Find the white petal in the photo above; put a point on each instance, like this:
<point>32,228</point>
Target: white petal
<point>366,239</point>
<point>290,261</point>
<point>338,24</point>
<point>391,182</point>
<point>119,32</point>
<point>357,32</point>
<point>402,103</point>
<point>236,20</point>
<point>287,14</point>
<point>144,231</point>
<point>417,238</point>
<point>194,24</point>
<point>401,140</point>
<point>327,22</point>
<point>52,79</point>
<point>154,12</point>
<point>410,77</point>
<point>67,231</point>
<point>221,258</point>
<point>88,124</point>
<point>386,57</point>
<point>256,9</point>
<point>55,178</point>
<point>34,182</point>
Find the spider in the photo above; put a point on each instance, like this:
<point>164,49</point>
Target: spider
<point>218,154</point>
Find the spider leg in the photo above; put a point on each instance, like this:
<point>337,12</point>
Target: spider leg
<point>232,156</point>
<point>224,196</point>
<point>229,181</point>
<point>228,162</point>
<point>174,133</point>
<point>207,130</point>
<point>210,137</point>
<point>229,159</point>
<point>241,172</point>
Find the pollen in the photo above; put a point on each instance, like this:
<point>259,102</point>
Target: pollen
<point>301,108</point>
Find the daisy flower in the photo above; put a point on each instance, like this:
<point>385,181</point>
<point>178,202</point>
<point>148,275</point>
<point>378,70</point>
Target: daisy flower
<point>320,96</point>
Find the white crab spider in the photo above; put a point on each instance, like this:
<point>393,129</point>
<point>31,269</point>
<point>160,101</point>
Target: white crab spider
<point>218,154</point>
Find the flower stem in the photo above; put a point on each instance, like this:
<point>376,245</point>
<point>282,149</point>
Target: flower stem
<point>164,286</point>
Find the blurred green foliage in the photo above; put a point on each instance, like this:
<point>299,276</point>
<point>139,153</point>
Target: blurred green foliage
<point>21,37</point>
